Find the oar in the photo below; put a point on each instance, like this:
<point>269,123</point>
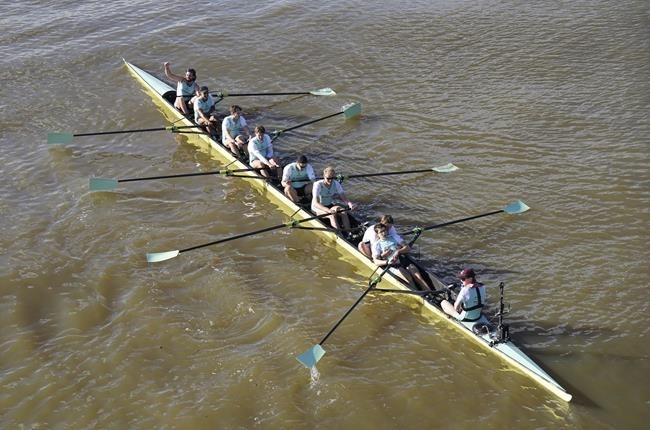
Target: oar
<point>349,111</point>
<point>155,257</point>
<point>66,138</point>
<point>107,184</point>
<point>447,168</point>
<point>310,357</point>
<point>320,92</point>
<point>515,207</point>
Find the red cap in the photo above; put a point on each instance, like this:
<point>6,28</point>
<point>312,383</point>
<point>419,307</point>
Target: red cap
<point>467,273</point>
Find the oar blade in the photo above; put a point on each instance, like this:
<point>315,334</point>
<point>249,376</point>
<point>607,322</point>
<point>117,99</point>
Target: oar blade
<point>351,110</point>
<point>102,184</point>
<point>310,357</point>
<point>447,168</point>
<point>516,207</point>
<point>154,257</point>
<point>59,138</point>
<point>323,92</point>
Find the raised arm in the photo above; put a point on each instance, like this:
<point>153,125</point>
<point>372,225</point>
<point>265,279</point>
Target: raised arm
<point>169,74</point>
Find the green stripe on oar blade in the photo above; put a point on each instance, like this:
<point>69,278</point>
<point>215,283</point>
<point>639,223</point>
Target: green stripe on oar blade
<point>323,92</point>
<point>516,207</point>
<point>102,184</point>
<point>445,169</point>
<point>310,357</point>
<point>59,138</point>
<point>351,110</point>
<point>154,257</point>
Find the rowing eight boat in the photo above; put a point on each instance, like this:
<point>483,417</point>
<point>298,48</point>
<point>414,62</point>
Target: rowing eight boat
<point>496,340</point>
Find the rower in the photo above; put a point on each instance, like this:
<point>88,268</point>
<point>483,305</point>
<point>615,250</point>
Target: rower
<point>386,246</point>
<point>297,179</point>
<point>370,239</point>
<point>260,153</point>
<point>186,88</point>
<point>470,300</point>
<point>322,202</point>
<point>234,131</point>
<point>205,112</point>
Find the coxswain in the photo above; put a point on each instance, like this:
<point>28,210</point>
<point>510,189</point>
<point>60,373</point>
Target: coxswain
<point>470,299</point>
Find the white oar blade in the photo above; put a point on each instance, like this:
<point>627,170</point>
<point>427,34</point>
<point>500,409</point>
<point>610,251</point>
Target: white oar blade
<point>516,207</point>
<point>323,92</point>
<point>59,138</point>
<point>102,184</point>
<point>310,357</point>
<point>154,257</point>
<point>351,110</point>
<point>447,168</point>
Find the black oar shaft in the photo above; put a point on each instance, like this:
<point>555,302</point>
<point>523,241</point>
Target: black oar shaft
<point>300,93</point>
<point>140,130</point>
<point>404,172</point>
<point>184,175</point>
<point>264,230</point>
<point>310,122</point>
<point>370,287</point>
<point>444,224</point>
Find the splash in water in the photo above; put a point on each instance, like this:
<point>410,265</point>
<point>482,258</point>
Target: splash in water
<point>315,376</point>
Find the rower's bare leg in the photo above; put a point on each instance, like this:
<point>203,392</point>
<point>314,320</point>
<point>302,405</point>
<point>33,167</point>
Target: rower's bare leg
<point>308,188</point>
<point>181,105</point>
<point>404,274</point>
<point>448,307</point>
<point>233,147</point>
<point>419,279</point>
<point>364,248</point>
<point>346,221</point>
<point>290,192</point>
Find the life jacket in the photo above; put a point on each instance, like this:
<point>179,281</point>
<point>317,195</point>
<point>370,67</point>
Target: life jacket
<point>473,304</point>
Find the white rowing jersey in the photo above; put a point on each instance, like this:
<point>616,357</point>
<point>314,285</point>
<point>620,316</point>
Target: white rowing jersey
<point>204,105</point>
<point>186,89</point>
<point>260,149</point>
<point>233,127</point>
<point>370,235</point>
<point>298,177</point>
<point>324,194</point>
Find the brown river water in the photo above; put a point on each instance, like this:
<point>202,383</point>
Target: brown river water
<point>546,101</point>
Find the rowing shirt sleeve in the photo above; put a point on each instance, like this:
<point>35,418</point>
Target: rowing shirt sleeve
<point>269,146</point>
<point>315,195</point>
<point>394,235</point>
<point>369,235</point>
<point>461,295</point>
<point>242,122</point>
<point>225,125</point>
<point>310,172</point>
<point>286,173</point>
<point>339,188</point>
<point>376,250</point>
